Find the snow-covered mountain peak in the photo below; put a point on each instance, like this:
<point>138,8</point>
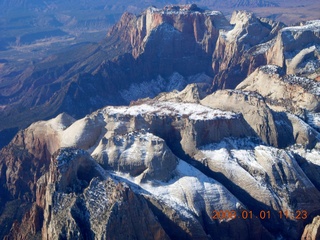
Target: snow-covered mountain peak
<point>191,111</point>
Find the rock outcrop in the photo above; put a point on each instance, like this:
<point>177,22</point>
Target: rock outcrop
<point>137,153</point>
<point>284,92</point>
<point>274,128</point>
<point>311,231</point>
<point>233,59</point>
<point>93,76</point>
<point>253,108</point>
<point>80,201</point>
<point>296,48</point>
<point>266,179</point>
<point>196,24</point>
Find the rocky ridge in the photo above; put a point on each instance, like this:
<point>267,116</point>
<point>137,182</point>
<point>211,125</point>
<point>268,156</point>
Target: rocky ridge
<point>145,143</point>
<point>159,168</point>
<point>121,67</point>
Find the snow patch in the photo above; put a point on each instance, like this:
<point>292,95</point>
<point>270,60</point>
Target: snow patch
<point>189,192</point>
<point>308,26</point>
<point>183,10</point>
<point>313,119</point>
<point>271,69</point>
<point>156,86</point>
<point>188,110</point>
<point>309,85</point>
<point>263,47</point>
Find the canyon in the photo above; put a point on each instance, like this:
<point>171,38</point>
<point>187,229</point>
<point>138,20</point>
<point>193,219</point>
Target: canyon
<point>177,113</point>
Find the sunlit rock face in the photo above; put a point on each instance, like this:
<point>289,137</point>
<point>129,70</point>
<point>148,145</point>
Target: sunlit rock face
<point>297,48</point>
<point>311,231</point>
<point>144,153</point>
<point>239,48</point>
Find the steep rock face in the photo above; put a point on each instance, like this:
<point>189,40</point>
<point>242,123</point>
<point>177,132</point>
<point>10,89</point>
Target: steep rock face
<point>311,231</point>
<point>185,123</point>
<point>296,48</point>
<point>187,36</point>
<point>169,120</point>
<point>94,75</point>
<point>82,206</point>
<point>201,26</point>
<point>27,157</point>
<point>144,156</point>
<point>285,92</point>
<point>138,154</point>
<point>308,160</point>
<point>276,129</point>
<point>169,162</point>
<point>232,58</point>
<point>271,184</point>
<point>139,144</point>
<point>193,41</point>
<point>253,108</point>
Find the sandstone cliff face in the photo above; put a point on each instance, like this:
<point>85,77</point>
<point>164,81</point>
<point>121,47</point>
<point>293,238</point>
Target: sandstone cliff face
<point>253,108</point>
<point>276,129</point>
<point>233,58</point>
<point>27,157</point>
<point>82,202</point>
<point>284,92</point>
<point>296,49</point>
<point>311,231</point>
<point>198,25</point>
<point>187,36</point>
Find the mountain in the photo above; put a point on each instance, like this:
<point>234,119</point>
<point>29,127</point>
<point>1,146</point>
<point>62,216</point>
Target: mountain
<point>117,70</point>
<point>177,162</point>
<point>179,124</point>
<point>96,75</point>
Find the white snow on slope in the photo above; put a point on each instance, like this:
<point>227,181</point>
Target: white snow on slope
<point>313,119</point>
<point>311,155</point>
<point>232,155</point>
<point>189,192</point>
<point>256,168</point>
<point>181,10</point>
<point>190,110</point>
<point>270,69</point>
<point>263,47</point>
<point>308,26</point>
<point>309,85</point>
<point>154,87</point>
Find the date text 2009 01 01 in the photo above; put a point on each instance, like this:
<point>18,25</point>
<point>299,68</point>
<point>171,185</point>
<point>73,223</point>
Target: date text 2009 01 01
<point>246,214</point>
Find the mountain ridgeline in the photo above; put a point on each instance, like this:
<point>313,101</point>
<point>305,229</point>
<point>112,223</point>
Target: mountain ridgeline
<point>180,124</point>
<point>154,46</point>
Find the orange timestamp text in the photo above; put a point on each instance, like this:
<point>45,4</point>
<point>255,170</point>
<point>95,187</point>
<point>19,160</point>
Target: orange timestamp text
<point>263,214</point>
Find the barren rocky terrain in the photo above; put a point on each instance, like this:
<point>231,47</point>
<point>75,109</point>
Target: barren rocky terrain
<point>181,123</point>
